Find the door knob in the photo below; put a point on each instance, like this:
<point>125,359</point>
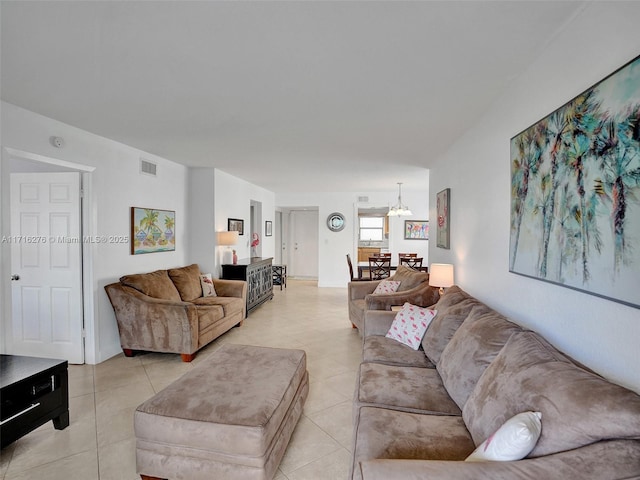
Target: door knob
<point>15,277</point>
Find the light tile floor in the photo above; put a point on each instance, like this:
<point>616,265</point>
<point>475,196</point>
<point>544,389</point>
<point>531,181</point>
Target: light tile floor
<point>100,443</point>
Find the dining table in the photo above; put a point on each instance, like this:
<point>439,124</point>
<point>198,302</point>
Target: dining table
<point>364,267</point>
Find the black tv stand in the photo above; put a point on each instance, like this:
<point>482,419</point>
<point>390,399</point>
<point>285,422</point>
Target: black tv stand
<point>32,392</point>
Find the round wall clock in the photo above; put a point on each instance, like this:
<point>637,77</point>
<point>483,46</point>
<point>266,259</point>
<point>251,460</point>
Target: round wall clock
<point>335,222</point>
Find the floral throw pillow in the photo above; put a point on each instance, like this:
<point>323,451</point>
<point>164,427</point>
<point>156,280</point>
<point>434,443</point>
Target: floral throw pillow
<point>386,286</point>
<point>410,324</point>
<point>207,286</point>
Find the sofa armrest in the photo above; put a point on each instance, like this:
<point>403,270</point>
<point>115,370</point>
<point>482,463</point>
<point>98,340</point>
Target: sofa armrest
<point>422,295</point>
<point>147,323</point>
<point>358,290</point>
<point>230,288</point>
<point>377,322</point>
<point>614,459</point>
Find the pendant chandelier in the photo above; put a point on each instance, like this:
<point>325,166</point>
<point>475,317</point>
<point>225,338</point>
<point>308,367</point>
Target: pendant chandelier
<point>399,210</point>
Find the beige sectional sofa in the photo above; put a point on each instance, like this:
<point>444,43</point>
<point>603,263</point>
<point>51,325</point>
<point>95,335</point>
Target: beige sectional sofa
<point>419,414</point>
<point>165,310</point>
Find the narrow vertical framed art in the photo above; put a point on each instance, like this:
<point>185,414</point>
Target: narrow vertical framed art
<point>443,199</point>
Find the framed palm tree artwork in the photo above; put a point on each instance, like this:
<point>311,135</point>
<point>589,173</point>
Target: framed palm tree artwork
<point>575,192</point>
<point>152,230</point>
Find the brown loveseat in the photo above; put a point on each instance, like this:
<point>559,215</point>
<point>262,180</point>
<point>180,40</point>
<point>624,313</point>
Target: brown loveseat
<point>164,311</point>
<point>419,414</point>
<point>414,288</point>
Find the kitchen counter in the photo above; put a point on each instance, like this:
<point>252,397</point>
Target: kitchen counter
<point>365,252</point>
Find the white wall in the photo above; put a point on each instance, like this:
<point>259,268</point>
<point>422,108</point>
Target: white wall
<point>202,236</point>
<point>116,185</point>
<point>233,198</point>
<point>600,333</point>
<point>333,246</point>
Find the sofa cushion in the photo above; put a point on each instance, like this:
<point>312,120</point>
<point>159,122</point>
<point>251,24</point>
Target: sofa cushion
<point>155,284</point>
<point>452,296</point>
<point>471,349</point>
<point>209,315</point>
<point>380,349</point>
<point>408,278</point>
<point>187,281</point>
<point>453,307</point>
<point>413,389</point>
<point>578,407</point>
<point>230,305</point>
<point>440,335</point>
<point>613,459</point>
<point>391,434</point>
<point>445,325</point>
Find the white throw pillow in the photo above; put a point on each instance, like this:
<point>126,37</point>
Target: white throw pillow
<point>386,286</point>
<point>514,440</point>
<point>207,286</point>
<point>409,325</point>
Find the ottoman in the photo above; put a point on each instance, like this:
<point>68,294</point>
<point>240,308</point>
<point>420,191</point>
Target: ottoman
<point>230,417</point>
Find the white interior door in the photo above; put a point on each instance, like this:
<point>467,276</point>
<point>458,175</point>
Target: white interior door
<point>46,248</point>
<point>304,244</point>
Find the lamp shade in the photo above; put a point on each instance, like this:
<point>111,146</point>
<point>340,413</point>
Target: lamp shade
<point>441,275</point>
<point>226,239</point>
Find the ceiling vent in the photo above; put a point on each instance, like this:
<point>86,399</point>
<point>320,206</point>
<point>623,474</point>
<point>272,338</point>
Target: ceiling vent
<point>147,167</point>
<point>363,199</point>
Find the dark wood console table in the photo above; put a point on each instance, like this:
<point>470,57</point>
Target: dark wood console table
<point>257,272</point>
<point>32,392</point>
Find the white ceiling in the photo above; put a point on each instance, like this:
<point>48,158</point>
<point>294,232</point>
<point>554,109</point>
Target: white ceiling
<point>322,96</point>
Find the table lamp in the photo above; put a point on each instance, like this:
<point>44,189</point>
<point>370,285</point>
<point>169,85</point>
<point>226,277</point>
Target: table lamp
<point>441,275</point>
<point>226,240</point>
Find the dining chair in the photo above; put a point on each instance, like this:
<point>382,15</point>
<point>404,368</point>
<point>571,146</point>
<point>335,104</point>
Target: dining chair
<point>406,255</point>
<point>353,279</point>
<point>413,262</point>
<point>379,267</point>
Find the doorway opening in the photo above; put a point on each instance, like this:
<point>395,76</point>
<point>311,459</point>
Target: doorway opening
<point>373,232</point>
<point>300,244</point>
<point>255,223</point>
<point>61,248</point>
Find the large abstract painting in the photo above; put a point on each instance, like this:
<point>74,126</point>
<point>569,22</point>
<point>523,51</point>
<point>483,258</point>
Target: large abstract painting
<point>575,192</point>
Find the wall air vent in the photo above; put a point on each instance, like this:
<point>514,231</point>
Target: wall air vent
<point>147,167</point>
<point>363,199</point>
